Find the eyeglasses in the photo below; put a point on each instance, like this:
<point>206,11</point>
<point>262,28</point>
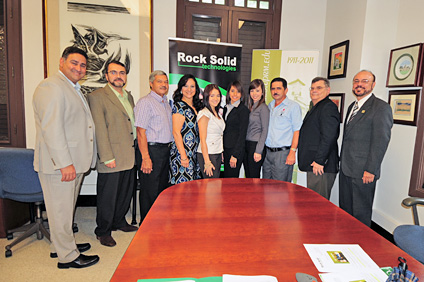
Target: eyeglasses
<point>363,81</point>
<point>122,73</point>
<point>319,88</point>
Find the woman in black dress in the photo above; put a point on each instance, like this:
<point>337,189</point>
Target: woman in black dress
<point>236,116</point>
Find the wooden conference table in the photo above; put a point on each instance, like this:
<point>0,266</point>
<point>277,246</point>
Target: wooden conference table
<point>247,227</point>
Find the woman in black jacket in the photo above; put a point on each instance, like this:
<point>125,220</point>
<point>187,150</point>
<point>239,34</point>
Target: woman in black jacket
<point>236,116</point>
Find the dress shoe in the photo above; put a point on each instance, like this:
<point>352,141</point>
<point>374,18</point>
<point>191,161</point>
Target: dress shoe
<point>128,228</point>
<point>106,240</point>
<point>81,248</point>
<point>80,262</point>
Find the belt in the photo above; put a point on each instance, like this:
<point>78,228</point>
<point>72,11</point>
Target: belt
<point>159,144</point>
<point>278,149</point>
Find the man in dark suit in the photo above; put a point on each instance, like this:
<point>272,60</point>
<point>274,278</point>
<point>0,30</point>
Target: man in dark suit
<point>317,149</point>
<point>366,136</point>
<point>112,110</point>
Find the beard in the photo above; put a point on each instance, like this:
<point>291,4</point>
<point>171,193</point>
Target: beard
<point>366,92</point>
<point>117,85</point>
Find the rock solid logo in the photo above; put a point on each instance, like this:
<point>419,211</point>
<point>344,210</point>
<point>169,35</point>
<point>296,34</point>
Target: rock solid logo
<point>217,63</point>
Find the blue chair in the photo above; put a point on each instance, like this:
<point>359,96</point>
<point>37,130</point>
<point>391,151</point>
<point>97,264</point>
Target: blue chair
<point>19,182</point>
<point>410,237</point>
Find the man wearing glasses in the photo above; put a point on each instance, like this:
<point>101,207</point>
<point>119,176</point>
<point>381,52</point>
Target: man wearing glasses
<point>112,110</point>
<point>318,151</point>
<point>367,132</point>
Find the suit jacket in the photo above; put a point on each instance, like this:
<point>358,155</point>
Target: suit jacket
<point>114,133</point>
<point>236,129</point>
<point>64,128</point>
<point>365,138</point>
<point>318,137</point>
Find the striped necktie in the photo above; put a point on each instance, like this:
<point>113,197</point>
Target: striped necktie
<point>354,111</point>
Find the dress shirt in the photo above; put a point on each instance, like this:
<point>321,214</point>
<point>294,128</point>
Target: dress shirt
<point>153,113</point>
<point>360,104</point>
<point>284,120</point>
<point>215,132</point>
<point>257,129</point>
<point>231,106</point>
<point>127,106</point>
<point>77,87</point>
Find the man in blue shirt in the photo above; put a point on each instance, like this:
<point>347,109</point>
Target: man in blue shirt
<point>283,133</point>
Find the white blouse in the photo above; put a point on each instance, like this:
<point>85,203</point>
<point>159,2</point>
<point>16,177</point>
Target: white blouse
<point>214,133</point>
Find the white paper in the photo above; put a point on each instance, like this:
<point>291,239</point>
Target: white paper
<point>248,278</point>
<point>371,276</point>
<point>340,258</point>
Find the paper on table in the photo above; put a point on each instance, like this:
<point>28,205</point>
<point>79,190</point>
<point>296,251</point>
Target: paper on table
<point>369,276</point>
<point>248,278</point>
<point>340,258</point>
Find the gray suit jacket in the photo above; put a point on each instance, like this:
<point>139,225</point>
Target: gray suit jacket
<point>365,138</point>
<point>64,128</point>
<point>114,134</point>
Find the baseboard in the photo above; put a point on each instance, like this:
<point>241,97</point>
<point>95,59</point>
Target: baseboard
<point>87,201</point>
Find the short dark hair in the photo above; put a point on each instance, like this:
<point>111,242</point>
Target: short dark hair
<point>319,78</point>
<point>237,85</point>
<point>280,79</point>
<point>253,85</point>
<point>73,50</point>
<point>206,93</point>
<point>116,63</point>
<point>178,95</point>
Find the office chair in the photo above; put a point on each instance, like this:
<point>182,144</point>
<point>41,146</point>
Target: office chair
<point>410,238</point>
<point>19,182</point>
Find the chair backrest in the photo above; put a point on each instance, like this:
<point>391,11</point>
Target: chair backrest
<point>18,180</point>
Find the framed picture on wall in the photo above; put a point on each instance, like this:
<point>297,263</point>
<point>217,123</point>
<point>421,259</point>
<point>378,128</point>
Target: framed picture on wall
<point>405,66</point>
<point>404,105</point>
<point>338,99</point>
<point>337,60</point>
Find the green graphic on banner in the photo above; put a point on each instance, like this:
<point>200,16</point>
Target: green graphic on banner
<point>175,77</point>
<point>266,65</point>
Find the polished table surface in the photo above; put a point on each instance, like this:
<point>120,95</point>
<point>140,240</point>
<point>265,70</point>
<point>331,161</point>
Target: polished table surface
<point>246,227</point>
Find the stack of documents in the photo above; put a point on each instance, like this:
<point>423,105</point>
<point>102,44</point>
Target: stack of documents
<point>344,263</point>
<point>223,278</point>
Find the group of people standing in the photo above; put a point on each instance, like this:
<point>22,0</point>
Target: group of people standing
<point>189,140</point>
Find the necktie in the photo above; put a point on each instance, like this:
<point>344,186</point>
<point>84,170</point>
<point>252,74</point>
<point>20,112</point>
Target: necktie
<point>354,111</point>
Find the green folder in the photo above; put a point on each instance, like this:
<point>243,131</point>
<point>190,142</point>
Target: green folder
<point>205,279</point>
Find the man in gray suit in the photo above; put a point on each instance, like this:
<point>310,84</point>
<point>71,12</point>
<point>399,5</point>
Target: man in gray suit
<point>366,136</point>
<point>113,115</point>
<point>64,150</point>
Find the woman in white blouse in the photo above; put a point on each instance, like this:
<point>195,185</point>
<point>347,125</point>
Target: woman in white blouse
<point>211,128</point>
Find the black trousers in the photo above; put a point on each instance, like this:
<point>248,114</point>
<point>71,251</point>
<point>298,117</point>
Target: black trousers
<point>215,160</point>
<point>154,183</point>
<point>356,198</point>
<point>114,192</point>
<point>230,172</point>
<point>252,169</point>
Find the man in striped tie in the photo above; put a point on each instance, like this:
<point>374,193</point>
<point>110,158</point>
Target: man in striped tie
<point>366,137</point>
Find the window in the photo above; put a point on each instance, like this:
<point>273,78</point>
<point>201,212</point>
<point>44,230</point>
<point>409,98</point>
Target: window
<point>12,125</point>
<point>253,23</point>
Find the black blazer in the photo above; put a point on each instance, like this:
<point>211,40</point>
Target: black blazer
<point>318,137</point>
<point>366,138</point>
<point>236,130</point>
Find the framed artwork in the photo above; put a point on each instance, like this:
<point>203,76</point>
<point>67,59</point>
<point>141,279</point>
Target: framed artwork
<point>338,99</point>
<point>405,66</point>
<point>337,60</point>
<point>404,105</point>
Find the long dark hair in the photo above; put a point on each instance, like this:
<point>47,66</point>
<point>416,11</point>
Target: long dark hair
<point>253,85</point>
<point>178,94</point>
<point>206,93</point>
<point>237,85</point>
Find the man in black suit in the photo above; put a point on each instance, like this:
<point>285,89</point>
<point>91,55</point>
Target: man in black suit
<point>366,136</point>
<point>318,150</point>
